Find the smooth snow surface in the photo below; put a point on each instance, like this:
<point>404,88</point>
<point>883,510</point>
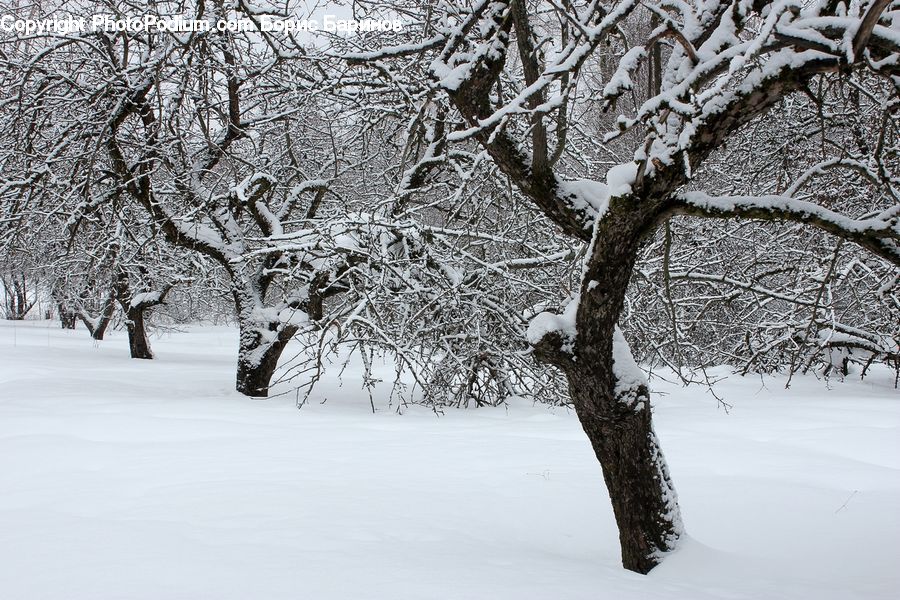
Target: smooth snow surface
<point>123,479</point>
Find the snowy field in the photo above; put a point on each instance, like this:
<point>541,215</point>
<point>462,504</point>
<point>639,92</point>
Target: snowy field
<point>123,479</point>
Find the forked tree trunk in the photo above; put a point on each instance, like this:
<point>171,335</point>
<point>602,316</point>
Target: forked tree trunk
<point>260,348</point>
<point>97,327</point>
<point>99,331</point>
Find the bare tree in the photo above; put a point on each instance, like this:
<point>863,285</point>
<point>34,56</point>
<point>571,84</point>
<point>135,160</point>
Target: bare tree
<point>208,134</point>
<point>513,70</point>
<point>18,297</point>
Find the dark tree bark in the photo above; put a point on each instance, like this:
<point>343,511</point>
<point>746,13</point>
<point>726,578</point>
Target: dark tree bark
<point>67,318</point>
<point>135,307</point>
<point>614,411</point>
<point>97,327</point>
<point>16,295</point>
<point>618,423</point>
<point>138,343</point>
<point>616,415</point>
<point>641,491</point>
<point>260,348</point>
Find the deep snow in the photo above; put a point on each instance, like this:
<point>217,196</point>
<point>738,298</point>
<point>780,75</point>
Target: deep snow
<point>124,479</point>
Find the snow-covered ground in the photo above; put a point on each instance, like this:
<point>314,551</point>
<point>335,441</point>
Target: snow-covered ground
<point>123,479</point>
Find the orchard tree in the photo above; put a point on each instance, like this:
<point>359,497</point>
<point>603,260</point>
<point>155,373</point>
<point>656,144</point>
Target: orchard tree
<point>274,162</point>
<point>514,71</point>
<point>212,137</point>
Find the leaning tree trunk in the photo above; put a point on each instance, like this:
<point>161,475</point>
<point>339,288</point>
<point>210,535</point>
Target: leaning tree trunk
<point>612,399</point>
<point>261,345</point>
<point>618,422</point>
<point>612,402</point>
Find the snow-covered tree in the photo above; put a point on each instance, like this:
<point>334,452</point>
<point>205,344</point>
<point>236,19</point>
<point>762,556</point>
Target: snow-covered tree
<point>212,138</point>
<point>516,70</point>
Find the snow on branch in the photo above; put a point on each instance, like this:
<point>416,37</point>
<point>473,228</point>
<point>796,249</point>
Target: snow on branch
<point>553,335</point>
<point>880,236</point>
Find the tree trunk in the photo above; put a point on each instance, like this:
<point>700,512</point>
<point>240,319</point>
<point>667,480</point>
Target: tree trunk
<point>637,478</point>
<point>261,346</point>
<point>135,308</point>
<point>612,402</point>
<point>104,320</point>
<point>137,334</point>
<point>98,332</point>
<point>612,399</point>
<point>15,293</point>
<point>24,305</point>
<point>67,318</point>
<point>97,327</point>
